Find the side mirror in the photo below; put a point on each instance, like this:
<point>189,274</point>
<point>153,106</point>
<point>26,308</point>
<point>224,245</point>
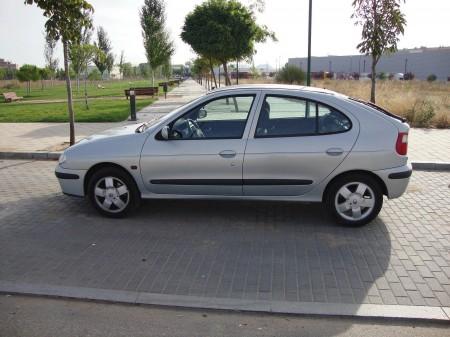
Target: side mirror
<point>202,113</point>
<point>165,132</point>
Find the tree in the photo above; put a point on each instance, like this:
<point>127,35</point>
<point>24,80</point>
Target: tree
<point>2,74</point>
<point>158,46</point>
<point>28,73</point>
<point>81,53</point>
<point>51,61</point>
<point>127,70</point>
<point>431,78</point>
<point>44,74</point>
<point>94,75</point>
<point>104,61</point>
<point>223,30</point>
<point>291,74</point>
<point>63,21</point>
<point>382,22</point>
<point>121,63</point>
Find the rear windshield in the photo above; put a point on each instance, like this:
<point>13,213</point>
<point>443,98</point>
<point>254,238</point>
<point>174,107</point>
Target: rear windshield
<point>378,108</point>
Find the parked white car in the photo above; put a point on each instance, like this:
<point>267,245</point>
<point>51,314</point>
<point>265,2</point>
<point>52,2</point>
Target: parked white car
<point>261,142</point>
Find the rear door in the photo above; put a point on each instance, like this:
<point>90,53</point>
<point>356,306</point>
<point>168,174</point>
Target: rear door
<point>294,144</point>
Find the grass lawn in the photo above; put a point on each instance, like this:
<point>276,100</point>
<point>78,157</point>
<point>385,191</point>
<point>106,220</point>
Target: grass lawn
<point>101,110</point>
<point>58,91</point>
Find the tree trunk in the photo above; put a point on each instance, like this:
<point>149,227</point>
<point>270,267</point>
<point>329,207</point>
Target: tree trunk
<point>69,94</point>
<point>153,78</point>
<point>227,78</point>
<point>78,83</point>
<point>212,72</point>
<point>85,90</point>
<point>373,80</point>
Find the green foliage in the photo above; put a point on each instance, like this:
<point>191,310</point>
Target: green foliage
<point>2,73</point>
<point>223,30</point>
<point>95,75</point>
<point>382,76</point>
<point>64,17</point>
<point>421,113</point>
<point>158,46</point>
<point>127,70</point>
<point>291,74</point>
<point>45,73</point>
<point>431,78</point>
<point>104,60</point>
<point>27,73</point>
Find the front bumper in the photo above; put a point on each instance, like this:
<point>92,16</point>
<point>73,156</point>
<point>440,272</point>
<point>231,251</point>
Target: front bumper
<point>396,179</point>
<point>71,181</point>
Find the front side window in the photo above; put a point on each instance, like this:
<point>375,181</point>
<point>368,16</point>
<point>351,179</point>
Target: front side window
<point>288,116</point>
<point>220,118</point>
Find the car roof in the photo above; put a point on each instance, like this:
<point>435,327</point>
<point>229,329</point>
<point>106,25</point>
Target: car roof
<point>298,88</point>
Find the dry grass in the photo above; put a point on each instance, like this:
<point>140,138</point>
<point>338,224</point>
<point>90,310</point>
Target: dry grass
<point>424,104</point>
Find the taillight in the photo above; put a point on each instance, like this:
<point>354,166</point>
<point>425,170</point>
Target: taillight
<point>402,143</point>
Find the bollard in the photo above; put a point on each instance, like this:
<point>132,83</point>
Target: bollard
<point>132,105</point>
<point>165,89</point>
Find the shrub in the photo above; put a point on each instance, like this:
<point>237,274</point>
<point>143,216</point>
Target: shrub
<point>442,121</point>
<point>291,74</point>
<point>421,113</point>
<point>95,75</point>
<point>382,76</point>
<point>431,78</point>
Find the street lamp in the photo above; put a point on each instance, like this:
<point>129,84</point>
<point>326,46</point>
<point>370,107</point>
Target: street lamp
<point>308,74</point>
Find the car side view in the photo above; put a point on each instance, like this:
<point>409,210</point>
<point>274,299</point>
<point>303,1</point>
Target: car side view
<point>256,142</point>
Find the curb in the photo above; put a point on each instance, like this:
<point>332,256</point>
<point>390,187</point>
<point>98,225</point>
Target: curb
<point>441,314</point>
<point>416,165</point>
<point>31,155</point>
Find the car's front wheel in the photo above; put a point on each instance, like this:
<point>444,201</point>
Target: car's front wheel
<point>354,200</point>
<point>113,192</point>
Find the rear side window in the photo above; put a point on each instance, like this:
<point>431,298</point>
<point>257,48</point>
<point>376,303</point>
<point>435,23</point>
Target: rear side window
<point>331,120</point>
<point>282,116</point>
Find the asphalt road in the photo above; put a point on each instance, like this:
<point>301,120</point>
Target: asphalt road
<point>45,317</point>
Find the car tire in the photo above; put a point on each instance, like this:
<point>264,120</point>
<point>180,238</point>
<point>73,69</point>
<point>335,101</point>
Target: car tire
<point>113,192</point>
<point>354,200</point>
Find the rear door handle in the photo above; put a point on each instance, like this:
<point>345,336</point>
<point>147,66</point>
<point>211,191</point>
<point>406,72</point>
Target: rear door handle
<point>228,154</point>
<point>335,151</point>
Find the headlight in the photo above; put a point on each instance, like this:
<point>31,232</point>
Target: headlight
<point>62,158</point>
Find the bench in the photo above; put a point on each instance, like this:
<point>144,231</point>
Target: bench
<point>143,91</point>
<point>11,97</point>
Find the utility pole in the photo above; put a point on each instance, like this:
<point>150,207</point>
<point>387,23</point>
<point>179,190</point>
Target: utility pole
<point>308,75</point>
<point>406,64</point>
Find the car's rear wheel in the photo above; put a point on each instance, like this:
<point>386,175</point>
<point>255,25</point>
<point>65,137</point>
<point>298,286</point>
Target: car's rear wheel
<point>113,192</point>
<point>355,199</point>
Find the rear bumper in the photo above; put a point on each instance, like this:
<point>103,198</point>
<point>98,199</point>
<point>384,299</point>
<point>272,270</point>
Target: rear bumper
<point>396,179</point>
<point>71,181</point>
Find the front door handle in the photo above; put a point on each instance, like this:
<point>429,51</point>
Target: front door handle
<point>335,151</point>
<point>228,154</point>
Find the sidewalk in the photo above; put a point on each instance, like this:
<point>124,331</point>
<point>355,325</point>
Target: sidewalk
<point>426,146</point>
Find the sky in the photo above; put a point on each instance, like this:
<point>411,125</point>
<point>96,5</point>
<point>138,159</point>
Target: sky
<point>334,32</point>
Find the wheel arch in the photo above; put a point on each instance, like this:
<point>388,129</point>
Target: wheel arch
<point>100,166</point>
<point>346,173</point>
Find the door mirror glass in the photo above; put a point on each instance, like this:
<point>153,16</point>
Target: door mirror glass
<point>165,132</point>
<point>202,113</point>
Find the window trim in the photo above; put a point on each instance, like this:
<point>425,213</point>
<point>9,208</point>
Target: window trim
<point>254,95</point>
<point>316,133</point>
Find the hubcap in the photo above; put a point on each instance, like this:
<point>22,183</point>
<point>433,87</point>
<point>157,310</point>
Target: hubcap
<point>354,201</point>
<point>111,194</point>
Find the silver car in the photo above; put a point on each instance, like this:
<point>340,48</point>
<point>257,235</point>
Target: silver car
<point>264,142</point>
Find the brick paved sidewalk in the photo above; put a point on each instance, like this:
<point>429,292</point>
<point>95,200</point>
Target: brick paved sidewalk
<point>246,251</point>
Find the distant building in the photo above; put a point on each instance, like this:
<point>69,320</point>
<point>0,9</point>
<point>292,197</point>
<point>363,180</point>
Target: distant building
<point>7,65</point>
<point>422,62</point>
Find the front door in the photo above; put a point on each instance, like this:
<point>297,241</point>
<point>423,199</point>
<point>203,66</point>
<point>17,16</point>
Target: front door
<point>295,144</point>
<point>205,150</point>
